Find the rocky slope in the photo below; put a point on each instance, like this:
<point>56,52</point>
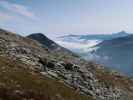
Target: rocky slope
<point>85,77</point>
<point>18,82</point>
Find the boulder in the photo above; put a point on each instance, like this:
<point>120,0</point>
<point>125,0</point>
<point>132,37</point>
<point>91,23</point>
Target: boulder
<point>50,65</point>
<point>68,66</point>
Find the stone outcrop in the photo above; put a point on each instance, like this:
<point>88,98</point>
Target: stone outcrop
<point>87,77</point>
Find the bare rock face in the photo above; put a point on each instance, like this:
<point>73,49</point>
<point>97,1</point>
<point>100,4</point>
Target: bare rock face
<point>68,66</point>
<point>88,78</point>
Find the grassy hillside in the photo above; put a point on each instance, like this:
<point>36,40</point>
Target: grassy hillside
<point>17,82</point>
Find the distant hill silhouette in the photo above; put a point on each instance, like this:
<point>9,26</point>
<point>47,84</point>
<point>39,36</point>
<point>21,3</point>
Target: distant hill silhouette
<point>117,53</point>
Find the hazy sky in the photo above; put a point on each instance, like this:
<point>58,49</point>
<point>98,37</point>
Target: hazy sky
<point>66,16</point>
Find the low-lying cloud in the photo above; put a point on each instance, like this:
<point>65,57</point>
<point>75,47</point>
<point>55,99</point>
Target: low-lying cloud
<point>84,47</point>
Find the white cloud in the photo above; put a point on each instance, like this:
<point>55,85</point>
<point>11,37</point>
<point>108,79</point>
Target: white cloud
<point>18,9</point>
<point>5,16</point>
<point>78,45</point>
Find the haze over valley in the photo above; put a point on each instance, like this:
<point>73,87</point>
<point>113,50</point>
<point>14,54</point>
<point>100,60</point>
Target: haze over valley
<point>66,50</point>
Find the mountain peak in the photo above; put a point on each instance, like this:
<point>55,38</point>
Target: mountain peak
<point>41,38</point>
<point>37,35</point>
<point>45,41</point>
<point>122,32</point>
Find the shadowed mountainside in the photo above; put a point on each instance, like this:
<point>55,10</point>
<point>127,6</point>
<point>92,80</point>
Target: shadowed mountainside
<point>117,54</point>
<point>40,66</point>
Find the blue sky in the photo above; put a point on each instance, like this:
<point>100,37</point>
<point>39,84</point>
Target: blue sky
<point>59,17</point>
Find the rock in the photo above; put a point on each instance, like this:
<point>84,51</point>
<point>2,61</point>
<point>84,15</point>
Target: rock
<point>68,66</point>
<point>53,74</point>
<point>50,65</point>
<point>43,61</point>
<point>75,72</point>
<point>76,67</point>
<point>47,63</point>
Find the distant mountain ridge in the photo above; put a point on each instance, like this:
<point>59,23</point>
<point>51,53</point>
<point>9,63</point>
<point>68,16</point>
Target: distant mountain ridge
<point>41,38</point>
<point>116,53</point>
<point>81,43</point>
<point>29,70</point>
<point>48,43</point>
<point>113,50</point>
<point>100,37</point>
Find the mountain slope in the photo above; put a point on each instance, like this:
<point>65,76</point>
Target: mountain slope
<point>84,77</point>
<point>81,43</point>
<point>18,82</point>
<point>44,40</point>
<point>117,53</point>
<point>49,44</point>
